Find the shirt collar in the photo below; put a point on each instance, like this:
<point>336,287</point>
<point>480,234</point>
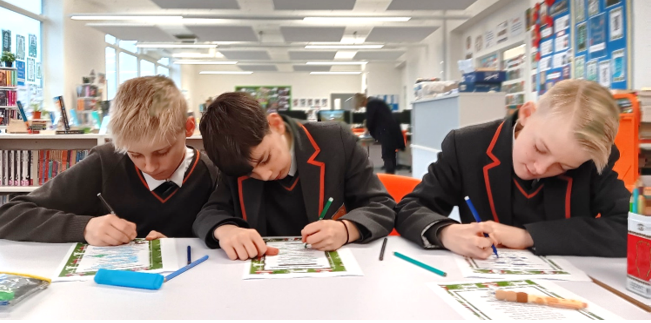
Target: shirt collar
<point>178,175</point>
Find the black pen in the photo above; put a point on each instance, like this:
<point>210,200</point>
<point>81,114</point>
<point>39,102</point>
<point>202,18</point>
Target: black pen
<point>384,245</point>
<point>105,203</point>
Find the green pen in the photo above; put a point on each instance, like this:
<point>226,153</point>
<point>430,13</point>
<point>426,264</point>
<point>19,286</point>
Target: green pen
<point>323,213</point>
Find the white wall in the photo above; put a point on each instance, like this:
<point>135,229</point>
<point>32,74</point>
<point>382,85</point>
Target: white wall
<point>383,78</point>
<point>303,84</point>
<point>641,11</point>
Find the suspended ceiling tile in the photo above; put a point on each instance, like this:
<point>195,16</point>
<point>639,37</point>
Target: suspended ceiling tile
<point>312,34</point>
<point>197,4</point>
<point>399,34</point>
<point>139,33</point>
<point>314,4</point>
<point>258,68</point>
<point>224,33</point>
<point>430,4</point>
<point>245,54</point>
<point>312,68</point>
<point>378,55</point>
<point>312,55</point>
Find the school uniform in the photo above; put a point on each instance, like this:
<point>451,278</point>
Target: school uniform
<point>326,162</point>
<point>60,210</point>
<point>578,213</point>
<point>385,128</point>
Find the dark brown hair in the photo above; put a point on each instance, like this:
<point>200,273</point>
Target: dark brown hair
<point>233,124</point>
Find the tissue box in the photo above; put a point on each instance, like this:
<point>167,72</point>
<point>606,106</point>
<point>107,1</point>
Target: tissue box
<point>485,77</point>
<point>639,254</point>
<point>479,87</point>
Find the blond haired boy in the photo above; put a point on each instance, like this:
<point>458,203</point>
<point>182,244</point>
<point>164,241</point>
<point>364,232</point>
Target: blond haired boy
<point>541,179</point>
<point>154,182</point>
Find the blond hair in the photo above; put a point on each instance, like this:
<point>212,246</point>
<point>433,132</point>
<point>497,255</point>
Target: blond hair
<point>358,100</point>
<point>594,112</point>
<point>147,108</point>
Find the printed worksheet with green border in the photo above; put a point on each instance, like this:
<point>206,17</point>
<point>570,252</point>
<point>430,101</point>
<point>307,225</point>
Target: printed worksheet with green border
<point>339,263</point>
<point>82,260</point>
<point>476,301</point>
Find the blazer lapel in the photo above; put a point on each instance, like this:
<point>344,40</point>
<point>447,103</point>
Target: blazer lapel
<point>311,171</point>
<point>250,191</point>
<point>498,173</point>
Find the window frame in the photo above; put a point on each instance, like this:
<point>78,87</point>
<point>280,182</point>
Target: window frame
<point>139,57</point>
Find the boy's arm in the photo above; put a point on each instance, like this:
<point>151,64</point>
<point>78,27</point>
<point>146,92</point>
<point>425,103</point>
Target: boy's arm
<point>371,206</point>
<point>59,210</point>
<point>587,236</point>
<point>217,211</point>
<point>424,212</point>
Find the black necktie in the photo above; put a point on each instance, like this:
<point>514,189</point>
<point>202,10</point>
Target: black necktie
<point>165,189</point>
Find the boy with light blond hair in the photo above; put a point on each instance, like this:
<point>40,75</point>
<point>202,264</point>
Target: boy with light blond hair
<point>541,179</point>
<point>154,182</point>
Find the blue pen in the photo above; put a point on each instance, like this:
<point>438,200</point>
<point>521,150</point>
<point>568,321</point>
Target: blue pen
<point>476,215</point>
<point>184,269</point>
<point>189,255</point>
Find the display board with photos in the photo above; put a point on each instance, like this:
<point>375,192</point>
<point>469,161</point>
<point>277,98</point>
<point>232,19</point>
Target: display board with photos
<point>601,38</point>
<point>554,47</point>
<point>272,98</point>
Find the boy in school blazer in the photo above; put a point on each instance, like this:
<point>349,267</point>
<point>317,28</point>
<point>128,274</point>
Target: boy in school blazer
<point>277,175</point>
<point>153,181</point>
<point>541,179</point>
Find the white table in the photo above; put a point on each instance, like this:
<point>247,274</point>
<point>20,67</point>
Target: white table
<point>389,289</point>
<point>611,274</point>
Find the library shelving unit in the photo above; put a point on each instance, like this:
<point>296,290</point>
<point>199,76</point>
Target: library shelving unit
<point>9,92</point>
<point>514,86</point>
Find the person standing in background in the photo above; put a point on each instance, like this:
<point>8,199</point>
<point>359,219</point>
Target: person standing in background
<point>383,127</point>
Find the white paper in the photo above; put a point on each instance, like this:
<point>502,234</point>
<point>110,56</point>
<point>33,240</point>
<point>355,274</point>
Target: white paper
<point>545,63</point>
<point>296,261</point>
<point>616,24</point>
<point>517,26</point>
<point>546,48</point>
<point>519,264</point>
<point>502,31</point>
<point>604,73</point>
<point>561,59</point>
<point>135,256</point>
<point>562,43</point>
<point>477,302</point>
<point>561,23</point>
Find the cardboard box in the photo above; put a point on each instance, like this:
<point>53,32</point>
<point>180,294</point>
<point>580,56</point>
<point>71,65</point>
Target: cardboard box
<point>484,77</point>
<point>479,87</point>
<point>639,254</point>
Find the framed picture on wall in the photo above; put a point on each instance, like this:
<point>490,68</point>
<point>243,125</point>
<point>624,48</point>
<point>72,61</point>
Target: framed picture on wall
<point>20,47</point>
<point>303,103</point>
<point>616,24</point>
<point>324,102</point>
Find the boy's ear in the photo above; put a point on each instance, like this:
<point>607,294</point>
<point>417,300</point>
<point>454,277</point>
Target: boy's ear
<point>525,112</point>
<point>276,123</point>
<point>190,125</point>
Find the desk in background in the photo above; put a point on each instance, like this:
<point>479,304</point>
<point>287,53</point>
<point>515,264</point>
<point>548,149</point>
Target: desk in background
<point>390,290</point>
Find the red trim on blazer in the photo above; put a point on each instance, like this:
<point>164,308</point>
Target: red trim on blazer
<point>291,188</point>
<point>525,193</point>
<point>568,194</point>
<point>496,162</point>
<point>311,160</point>
<point>142,179</point>
<point>239,192</point>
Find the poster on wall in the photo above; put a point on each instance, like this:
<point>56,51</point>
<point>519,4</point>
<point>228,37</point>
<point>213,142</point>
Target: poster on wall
<point>6,40</point>
<point>579,10</point>
<point>489,62</point>
<point>562,43</point>
<point>559,7</point>
<point>468,48</point>
<point>603,38</point>
<point>517,26</point>
<point>20,47</point>
<point>489,39</point>
<point>303,103</point>
<point>479,43</point>
<point>555,54</point>
<point>561,23</point>
<point>579,67</point>
<point>271,98</point>
<point>39,73</point>
<point>324,102</point>
<point>32,46</point>
<point>502,31</point>
<point>30,70</point>
<point>295,103</point>
<point>20,73</point>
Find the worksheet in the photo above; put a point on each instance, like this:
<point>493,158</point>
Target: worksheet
<point>519,264</point>
<point>295,260</point>
<point>83,260</point>
<point>476,301</point>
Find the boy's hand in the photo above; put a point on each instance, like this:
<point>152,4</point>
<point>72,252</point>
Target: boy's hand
<point>466,240</point>
<point>109,230</point>
<point>154,235</point>
<point>329,235</point>
<point>242,244</point>
<point>508,236</point>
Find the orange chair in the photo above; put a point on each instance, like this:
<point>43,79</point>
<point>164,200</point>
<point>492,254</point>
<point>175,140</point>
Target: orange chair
<point>398,186</point>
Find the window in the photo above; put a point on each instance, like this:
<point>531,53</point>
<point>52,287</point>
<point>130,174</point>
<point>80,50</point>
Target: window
<point>128,67</point>
<point>163,71</point>
<point>111,73</point>
<point>110,39</point>
<point>35,6</point>
<point>129,45</point>
<point>164,61</point>
<point>147,68</point>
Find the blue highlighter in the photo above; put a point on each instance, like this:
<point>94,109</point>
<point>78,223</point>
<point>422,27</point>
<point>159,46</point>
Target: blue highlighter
<point>140,280</point>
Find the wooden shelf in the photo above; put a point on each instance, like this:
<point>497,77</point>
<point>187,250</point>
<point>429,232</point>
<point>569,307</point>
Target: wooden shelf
<point>9,88</point>
<point>7,68</point>
<point>17,189</point>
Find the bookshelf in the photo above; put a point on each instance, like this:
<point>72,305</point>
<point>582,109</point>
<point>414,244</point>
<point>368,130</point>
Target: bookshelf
<point>8,96</point>
<point>514,86</point>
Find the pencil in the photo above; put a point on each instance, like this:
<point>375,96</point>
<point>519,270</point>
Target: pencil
<point>384,245</point>
<point>189,255</point>
<point>478,219</point>
<point>323,213</point>
<point>105,203</point>
<point>420,264</point>
<point>186,268</point>
<point>519,297</point>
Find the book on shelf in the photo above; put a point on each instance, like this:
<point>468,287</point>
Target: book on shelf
<point>8,98</point>
<point>8,78</point>
<point>36,167</point>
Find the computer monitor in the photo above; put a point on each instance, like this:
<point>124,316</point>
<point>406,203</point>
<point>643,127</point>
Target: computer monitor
<point>332,115</point>
<point>359,117</point>
<point>405,117</point>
